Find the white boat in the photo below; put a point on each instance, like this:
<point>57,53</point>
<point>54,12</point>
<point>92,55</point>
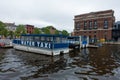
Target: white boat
<point>42,44</point>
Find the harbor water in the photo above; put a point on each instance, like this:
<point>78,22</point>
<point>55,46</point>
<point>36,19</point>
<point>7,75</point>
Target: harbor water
<point>86,64</point>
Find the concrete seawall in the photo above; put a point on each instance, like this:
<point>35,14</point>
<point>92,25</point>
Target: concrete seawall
<point>111,43</point>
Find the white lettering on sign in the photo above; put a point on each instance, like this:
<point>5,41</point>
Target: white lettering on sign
<point>33,44</point>
<point>22,42</point>
<point>41,45</point>
<point>46,45</point>
<point>30,43</point>
<point>36,44</point>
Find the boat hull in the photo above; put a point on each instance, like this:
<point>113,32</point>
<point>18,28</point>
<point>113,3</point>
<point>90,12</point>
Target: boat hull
<point>41,50</point>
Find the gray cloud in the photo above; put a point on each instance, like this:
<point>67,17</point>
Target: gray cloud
<point>59,13</point>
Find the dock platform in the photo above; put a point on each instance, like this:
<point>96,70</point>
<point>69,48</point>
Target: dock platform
<point>93,46</point>
<point>6,43</point>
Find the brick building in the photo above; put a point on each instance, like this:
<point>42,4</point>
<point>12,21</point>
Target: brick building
<point>29,28</point>
<point>96,25</point>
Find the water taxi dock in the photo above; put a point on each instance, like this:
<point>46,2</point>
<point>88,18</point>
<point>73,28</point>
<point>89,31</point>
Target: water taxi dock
<point>78,41</point>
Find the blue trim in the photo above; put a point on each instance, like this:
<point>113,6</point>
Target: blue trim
<point>46,45</point>
<point>73,39</point>
<point>61,45</point>
<point>45,35</point>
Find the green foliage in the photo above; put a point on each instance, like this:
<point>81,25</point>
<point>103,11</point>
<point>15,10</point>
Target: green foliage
<point>48,27</point>
<point>56,32</point>
<point>46,30</point>
<point>36,31</point>
<point>64,32</point>
<point>20,30</point>
<point>11,34</point>
<point>3,30</point>
<point>2,25</point>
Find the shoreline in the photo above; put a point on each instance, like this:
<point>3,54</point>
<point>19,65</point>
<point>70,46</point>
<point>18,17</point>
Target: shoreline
<point>111,42</point>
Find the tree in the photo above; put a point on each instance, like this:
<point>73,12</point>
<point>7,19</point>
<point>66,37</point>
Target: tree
<point>64,32</point>
<point>36,31</point>
<point>56,32</point>
<point>46,30</point>
<point>3,30</point>
<point>2,25</point>
<point>11,34</point>
<point>20,30</point>
<point>48,27</point>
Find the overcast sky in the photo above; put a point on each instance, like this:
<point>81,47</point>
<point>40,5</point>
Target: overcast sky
<point>58,13</point>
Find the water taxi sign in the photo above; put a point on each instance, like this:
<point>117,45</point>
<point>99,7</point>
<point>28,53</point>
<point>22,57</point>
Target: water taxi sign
<point>36,44</point>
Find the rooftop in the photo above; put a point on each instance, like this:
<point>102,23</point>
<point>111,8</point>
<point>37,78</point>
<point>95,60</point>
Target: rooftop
<point>98,12</point>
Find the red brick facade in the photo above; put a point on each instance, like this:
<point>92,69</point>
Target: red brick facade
<point>96,25</point>
<point>29,28</point>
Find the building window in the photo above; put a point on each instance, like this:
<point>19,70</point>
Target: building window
<point>76,33</point>
<point>95,24</point>
<point>95,38</point>
<point>105,37</point>
<point>105,24</point>
<point>114,27</point>
<point>105,32</point>
<point>90,24</point>
<point>119,26</point>
<point>94,32</point>
<point>77,26</point>
<point>85,25</point>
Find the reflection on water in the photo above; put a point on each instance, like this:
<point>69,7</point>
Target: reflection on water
<point>85,64</point>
